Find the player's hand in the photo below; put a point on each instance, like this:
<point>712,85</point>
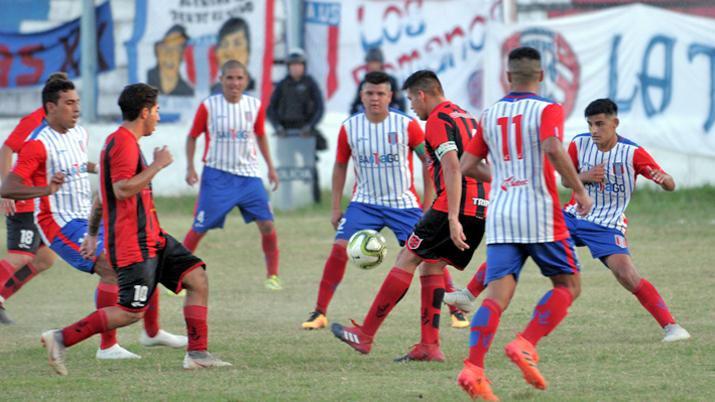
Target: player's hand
<point>456,233</point>
<point>657,176</point>
<point>8,206</point>
<point>57,180</point>
<point>191,176</point>
<point>597,174</point>
<point>88,247</point>
<point>273,179</point>
<point>162,157</point>
<point>584,203</point>
<point>335,218</point>
<point>306,131</point>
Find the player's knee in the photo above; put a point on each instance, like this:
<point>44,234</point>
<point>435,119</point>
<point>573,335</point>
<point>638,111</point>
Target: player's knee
<point>197,281</point>
<point>265,227</point>
<point>131,317</point>
<point>105,272</point>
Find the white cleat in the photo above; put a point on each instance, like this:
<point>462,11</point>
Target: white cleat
<point>202,359</point>
<point>163,338</point>
<point>116,352</point>
<point>674,332</point>
<point>52,341</point>
<point>461,299</point>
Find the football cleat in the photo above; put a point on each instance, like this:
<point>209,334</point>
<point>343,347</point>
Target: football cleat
<point>316,320</point>
<point>458,320</point>
<point>353,336</point>
<point>423,352</point>
<point>475,383</point>
<point>115,352</point>
<point>198,359</point>
<point>674,332</point>
<point>273,282</point>
<point>52,341</point>
<point>461,299</point>
<point>163,338</point>
<point>523,354</point>
<point>4,318</point>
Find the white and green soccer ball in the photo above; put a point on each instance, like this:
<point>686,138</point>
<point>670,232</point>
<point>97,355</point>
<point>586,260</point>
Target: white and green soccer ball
<point>366,248</point>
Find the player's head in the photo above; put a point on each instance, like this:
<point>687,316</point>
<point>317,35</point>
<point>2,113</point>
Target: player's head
<point>374,60</point>
<point>524,67</point>
<point>423,90</point>
<point>61,103</point>
<point>296,63</point>
<point>234,41</point>
<point>139,104</point>
<point>234,79</point>
<point>602,118</point>
<point>376,93</point>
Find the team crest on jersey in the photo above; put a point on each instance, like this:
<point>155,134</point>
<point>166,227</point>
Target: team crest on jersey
<point>621,241</point>
<point>248,116</point>
<point>392,137</point>
<point>619,169</point>
<point>562,70</point>
<point>414,242</point>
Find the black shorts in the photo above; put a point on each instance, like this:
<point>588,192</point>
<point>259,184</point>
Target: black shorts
<point>430,239</point>
<point>22,234</point>
<point>137,282</point>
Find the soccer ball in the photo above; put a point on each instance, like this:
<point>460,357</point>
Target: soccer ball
<point>366,248</point>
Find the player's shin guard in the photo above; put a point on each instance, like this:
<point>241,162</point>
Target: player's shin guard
<point>269,243</point>
<point>484,325</point>
<point>84,328</point>
<point>192,239</point>
<point>333,273</point>
<point>196,327</point>
<point>18,280</point>
<point>107,295</point>
<point>476,285</point>
<point>432,295</point>
<point>151,315</point>
<point>393,289</point>
<point>551,310</point>
<point>651,301</point>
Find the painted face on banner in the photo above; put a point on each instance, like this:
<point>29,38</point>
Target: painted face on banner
<point>233,46</point>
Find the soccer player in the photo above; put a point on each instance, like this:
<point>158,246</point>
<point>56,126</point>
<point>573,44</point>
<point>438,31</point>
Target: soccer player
<point>234,127</point>
<point>380,141</point>
<point>521,134</point>
<point>608,164</point>
<point>136,246</point>
<point>27,256</point>
<point>440,236</point>
<point>53,166</point>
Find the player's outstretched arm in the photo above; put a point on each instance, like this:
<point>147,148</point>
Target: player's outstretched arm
<point>14,188</point>
<point>663,179</point>
<point>124,189</point>
<point>428,192</point>
<point>475,167</point>
<point>340,173</point>
<point>559,159</point>
<point>6,206</point>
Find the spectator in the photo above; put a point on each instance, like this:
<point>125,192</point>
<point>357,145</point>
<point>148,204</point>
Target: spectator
<point>375,61</point>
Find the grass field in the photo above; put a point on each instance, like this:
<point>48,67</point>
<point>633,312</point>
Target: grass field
<point>607,349</point>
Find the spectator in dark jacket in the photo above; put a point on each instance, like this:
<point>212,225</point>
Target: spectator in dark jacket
<point>375,61</point>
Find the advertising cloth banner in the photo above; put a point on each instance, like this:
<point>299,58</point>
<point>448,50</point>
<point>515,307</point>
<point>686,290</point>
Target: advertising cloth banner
<point>179,47</point>
<point>657,65</point>
<point>28,59</point>
<point>446,36</point>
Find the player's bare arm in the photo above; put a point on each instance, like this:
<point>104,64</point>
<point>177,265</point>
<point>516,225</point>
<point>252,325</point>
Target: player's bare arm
<point>475,167</point>
<point>89,244</point>
<point>453,186</point>
<point>428,193</point>
<point>92,167</point>
<point>262,142</point>
<point>340,172</point>
<point>191,176</point>
<point>554,151</point>
<point>664,180</point>
<point>14,188</point>
<point>7,206</point>
<point>124,189</point>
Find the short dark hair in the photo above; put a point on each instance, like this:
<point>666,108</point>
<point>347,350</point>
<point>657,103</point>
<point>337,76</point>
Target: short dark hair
<point>603,105</point>
<point>51,91</point>
<point>524,65</point>
<point>524,52</point>
<point>377,78</point>
<point>232,25</point>
<point>136,97</point>
<point>230,64</point>
<point>57,76</point>
<point>425,81</point>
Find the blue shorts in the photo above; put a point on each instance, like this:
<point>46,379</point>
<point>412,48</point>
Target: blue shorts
<point>67,242</point>
<point>600,240</point>
<point>553,258</point>
<point>222,191</point>
<point>359,216</point>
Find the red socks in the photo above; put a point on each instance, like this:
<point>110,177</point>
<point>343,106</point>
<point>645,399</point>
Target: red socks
<point>269,242</point>
<point>196,327</point>
<point>393,289</point>
<point>84,328</point>
<point>333,273</point>
<point>151,315</point>
<point>192,239</point>
<point>449,287</point>
<point>476,285</point>
<point>651,300</point>
<point>484,325</point>
<point>432,295</point>
<point>107,295</point>
<point>6,272</point>
<point>550,311</point>
<point>17,281</point>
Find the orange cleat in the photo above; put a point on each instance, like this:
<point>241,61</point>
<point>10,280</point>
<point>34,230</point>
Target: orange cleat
<point>423,352</point>
<point>523,354</point>
<point>475,383</point>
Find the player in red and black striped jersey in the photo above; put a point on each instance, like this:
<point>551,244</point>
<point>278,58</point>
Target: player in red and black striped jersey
<point>439,237</point>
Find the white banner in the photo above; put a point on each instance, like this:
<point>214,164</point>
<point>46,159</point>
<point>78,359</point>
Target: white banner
<point>446,36</point>
<point>179,46</point>
<point>659,67</point>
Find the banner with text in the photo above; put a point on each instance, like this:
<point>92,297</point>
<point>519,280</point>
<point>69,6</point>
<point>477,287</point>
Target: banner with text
<point>657,65</point>
<point>179,47</point>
